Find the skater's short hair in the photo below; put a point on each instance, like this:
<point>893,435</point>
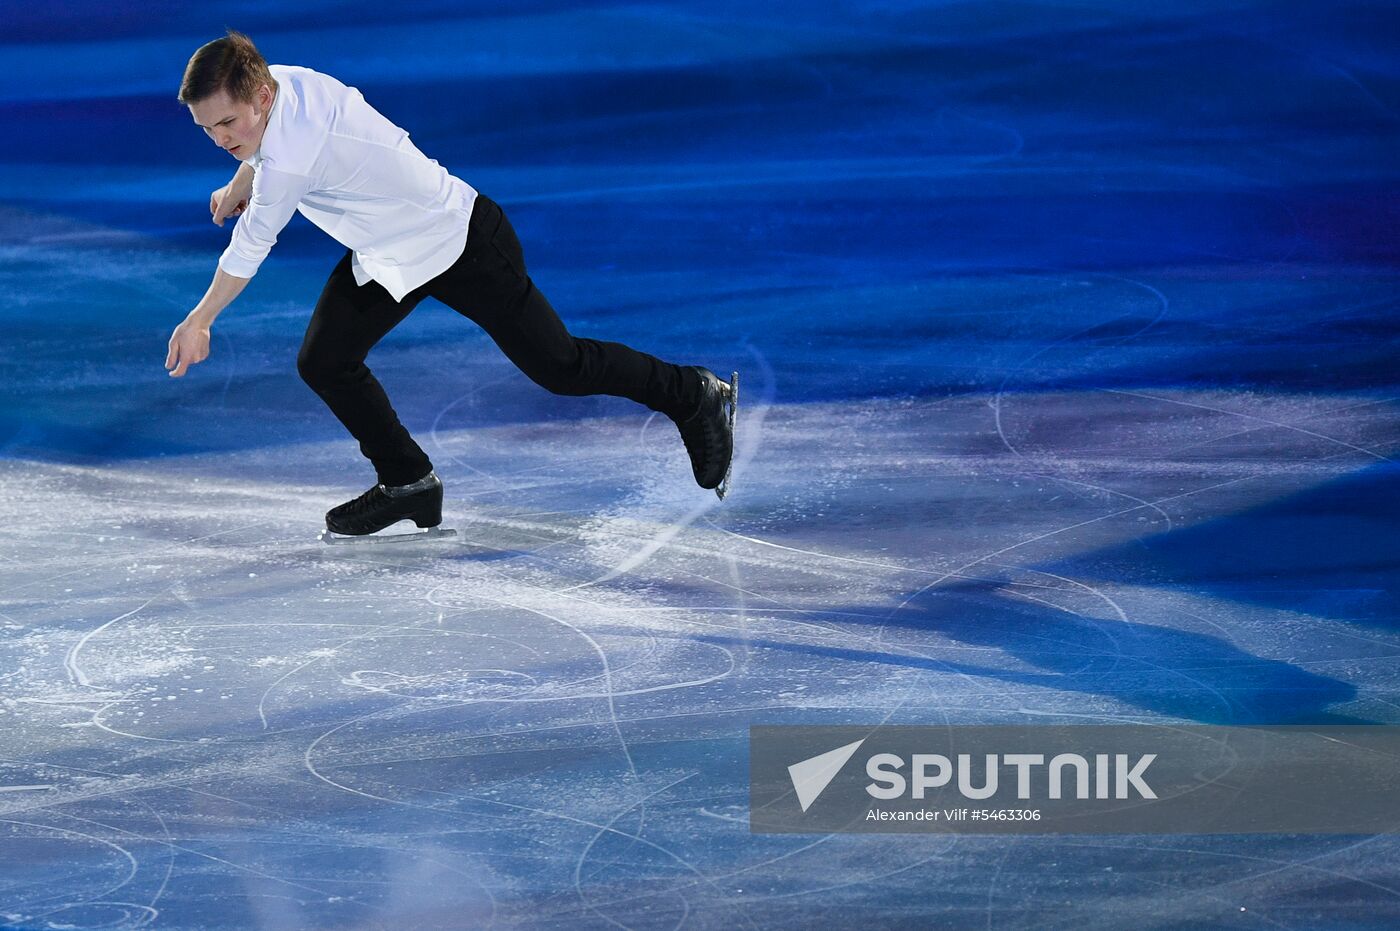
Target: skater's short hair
<point>232,64</point>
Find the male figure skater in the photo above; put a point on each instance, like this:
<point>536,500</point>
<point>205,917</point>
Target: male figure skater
<point>310,143</point>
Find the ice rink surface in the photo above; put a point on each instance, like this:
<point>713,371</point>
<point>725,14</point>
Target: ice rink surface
<point>1067,335</point>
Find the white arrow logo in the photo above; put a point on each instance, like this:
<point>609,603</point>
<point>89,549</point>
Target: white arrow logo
<point>811,777</point>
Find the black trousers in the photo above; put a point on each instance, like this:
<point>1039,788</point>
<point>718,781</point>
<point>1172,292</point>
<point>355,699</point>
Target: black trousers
<point>489,285</point>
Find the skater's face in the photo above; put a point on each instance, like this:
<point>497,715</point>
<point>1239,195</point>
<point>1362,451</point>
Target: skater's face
<point>236,127</point>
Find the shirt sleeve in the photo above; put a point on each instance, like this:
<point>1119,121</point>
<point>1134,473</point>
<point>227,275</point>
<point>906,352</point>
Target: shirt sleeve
<point>276,195</point>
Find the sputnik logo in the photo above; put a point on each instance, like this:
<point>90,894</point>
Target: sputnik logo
<point>811,776</point>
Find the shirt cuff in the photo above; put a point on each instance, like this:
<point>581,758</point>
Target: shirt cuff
<point>236,265</point>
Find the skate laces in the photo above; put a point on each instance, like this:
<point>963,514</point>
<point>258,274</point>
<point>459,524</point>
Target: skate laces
<point>364,502</point>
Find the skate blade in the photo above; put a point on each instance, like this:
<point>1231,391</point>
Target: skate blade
<point>732,400</point>
<point>342,539</point>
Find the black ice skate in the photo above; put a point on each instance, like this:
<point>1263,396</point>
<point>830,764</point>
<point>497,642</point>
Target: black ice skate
<point>361,519</point>
<point>709,432</point>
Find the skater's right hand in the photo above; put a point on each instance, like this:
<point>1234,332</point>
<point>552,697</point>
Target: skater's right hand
<point>189,345</point>
<point>226,202</point>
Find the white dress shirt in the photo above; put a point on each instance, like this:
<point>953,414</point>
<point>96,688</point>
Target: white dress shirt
<point>329,154</point>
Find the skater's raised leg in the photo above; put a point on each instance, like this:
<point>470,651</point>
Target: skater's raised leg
<point>490,285</point>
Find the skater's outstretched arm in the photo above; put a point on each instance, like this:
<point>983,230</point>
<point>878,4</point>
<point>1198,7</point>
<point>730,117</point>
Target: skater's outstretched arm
<point>275,195</point>
<point>189,344</point>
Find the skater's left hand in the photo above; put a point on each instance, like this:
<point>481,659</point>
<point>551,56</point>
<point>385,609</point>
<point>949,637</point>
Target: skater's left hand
<point>189,345</point>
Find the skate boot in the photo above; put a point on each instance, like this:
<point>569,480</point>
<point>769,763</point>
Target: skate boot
<point>709,432</point>
<point>383,505</point>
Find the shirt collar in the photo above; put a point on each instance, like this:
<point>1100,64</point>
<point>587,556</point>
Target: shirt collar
<point>274,123</point>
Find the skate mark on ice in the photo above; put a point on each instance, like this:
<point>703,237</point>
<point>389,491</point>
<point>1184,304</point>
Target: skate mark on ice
<point>1065,529</point>
<point>132,866</point>
<point>831,632</point>
<point>1274,423</point>
<point>1282,866</point>
<point>495,577</point>
<point>437,442</point>
<point>79,677</point>
<point>70,662</point>
<point>609,828</point>
<point>582,858</point>
<point>750,429</point>
<point>1166,518</point>
<point>318,655</point>
<point>875,641</point>
<point>889,567</point>
<point>441,810</point>
<point>190,850</point>
<point>648,549</point>
<point>607,673</point>
<point>1118,653</point>
<point>943,577</point>
<point>946,844</point>
<point>1113,605</point>
<point>74,701</point>
<point>162,550</point>
<point>315,833</point>
<point>1234,434</point>
<point>736,582</point>
<point>1164,305</point>
<point>100,725</point>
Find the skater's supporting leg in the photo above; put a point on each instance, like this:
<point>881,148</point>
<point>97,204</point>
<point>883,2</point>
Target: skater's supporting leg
<point>348,321</point>
<point>490,285</point>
